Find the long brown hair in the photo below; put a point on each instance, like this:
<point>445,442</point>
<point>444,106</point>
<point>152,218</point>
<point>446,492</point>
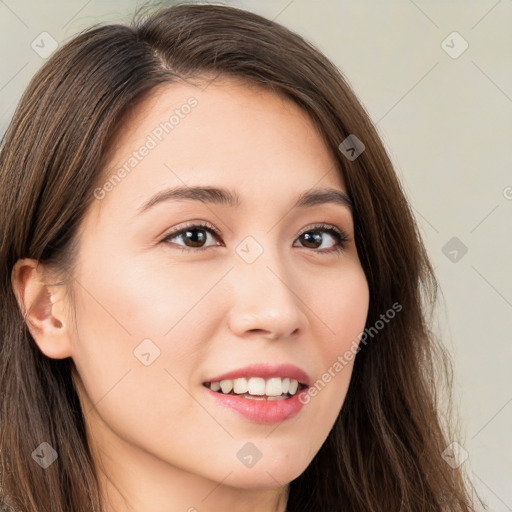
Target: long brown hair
<point>384,452</point>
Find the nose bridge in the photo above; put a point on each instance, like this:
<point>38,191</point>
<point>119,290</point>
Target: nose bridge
<point>264,298</point>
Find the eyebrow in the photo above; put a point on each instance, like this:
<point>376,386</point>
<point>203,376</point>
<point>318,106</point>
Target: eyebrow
<point>226,197</point>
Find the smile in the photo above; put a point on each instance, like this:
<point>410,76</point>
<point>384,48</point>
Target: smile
<point>258,388</point>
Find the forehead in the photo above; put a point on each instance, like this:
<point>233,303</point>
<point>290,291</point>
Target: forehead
<point>227,132</point>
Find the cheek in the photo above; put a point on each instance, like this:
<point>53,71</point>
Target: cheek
<point>155,298</point>
<point>133,375</point>
<point>140,333</point>
<point>344,309</point>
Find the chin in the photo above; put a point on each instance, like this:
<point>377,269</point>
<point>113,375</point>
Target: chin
<point>267,474</point>
<point>261,479</point>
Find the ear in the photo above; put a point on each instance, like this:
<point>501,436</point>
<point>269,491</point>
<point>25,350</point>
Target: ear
<point>43,307</point>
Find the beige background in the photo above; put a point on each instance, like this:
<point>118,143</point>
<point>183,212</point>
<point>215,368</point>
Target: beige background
<point>447,123</point>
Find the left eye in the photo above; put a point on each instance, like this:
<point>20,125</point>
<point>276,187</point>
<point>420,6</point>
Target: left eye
<point>314,236</point>
<point>196,236</point>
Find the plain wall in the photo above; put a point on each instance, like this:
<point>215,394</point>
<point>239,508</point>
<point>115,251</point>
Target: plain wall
<point>446,121</point>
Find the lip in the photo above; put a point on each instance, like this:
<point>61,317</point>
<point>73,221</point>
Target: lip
<point>259,411</point>
<point>265,371</point>
<point>262,411</point>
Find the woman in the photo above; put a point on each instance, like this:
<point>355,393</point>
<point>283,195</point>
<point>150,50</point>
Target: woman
<point>215,295</point>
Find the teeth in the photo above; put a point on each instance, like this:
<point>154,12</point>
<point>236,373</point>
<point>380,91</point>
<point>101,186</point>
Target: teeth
<point>226,386</point>
<point>240,386</point>
<point>293,387</point>
<point>274,387</point>
<point>257,386</point>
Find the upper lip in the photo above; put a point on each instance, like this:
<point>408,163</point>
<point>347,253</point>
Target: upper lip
<point>265,371</point>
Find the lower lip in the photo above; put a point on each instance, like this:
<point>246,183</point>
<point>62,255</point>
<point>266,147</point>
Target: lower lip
<point>260,411</point>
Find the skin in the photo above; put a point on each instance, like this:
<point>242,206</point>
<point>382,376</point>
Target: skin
<point>165,444</point>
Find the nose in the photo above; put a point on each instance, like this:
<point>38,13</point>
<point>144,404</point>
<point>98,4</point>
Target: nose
<point>265,301</point>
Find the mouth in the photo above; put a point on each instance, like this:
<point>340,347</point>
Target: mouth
<point>258,388</point>
<point>261,393</point>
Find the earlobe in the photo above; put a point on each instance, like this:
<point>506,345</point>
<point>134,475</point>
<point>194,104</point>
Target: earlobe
<point>42,307</point>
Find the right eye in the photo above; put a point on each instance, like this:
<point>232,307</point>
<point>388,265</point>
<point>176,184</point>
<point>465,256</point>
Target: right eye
<point>196,235</point>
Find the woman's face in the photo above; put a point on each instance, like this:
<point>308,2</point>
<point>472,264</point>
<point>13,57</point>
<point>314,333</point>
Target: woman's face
<point>164,307</point>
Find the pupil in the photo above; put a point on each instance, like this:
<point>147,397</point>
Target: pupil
<point>196,240</point>
<point>315,238</point>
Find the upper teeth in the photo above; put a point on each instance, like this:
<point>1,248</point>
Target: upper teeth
<point>274,386</point>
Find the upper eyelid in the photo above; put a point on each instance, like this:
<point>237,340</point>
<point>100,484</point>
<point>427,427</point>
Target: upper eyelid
<point>193,225</point>
<point>324,225</point>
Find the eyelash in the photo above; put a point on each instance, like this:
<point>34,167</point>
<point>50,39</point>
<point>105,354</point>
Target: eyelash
<point>339,235</point>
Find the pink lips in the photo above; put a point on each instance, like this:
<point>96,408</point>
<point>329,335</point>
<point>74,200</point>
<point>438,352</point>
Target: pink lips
<point>262,411</point>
